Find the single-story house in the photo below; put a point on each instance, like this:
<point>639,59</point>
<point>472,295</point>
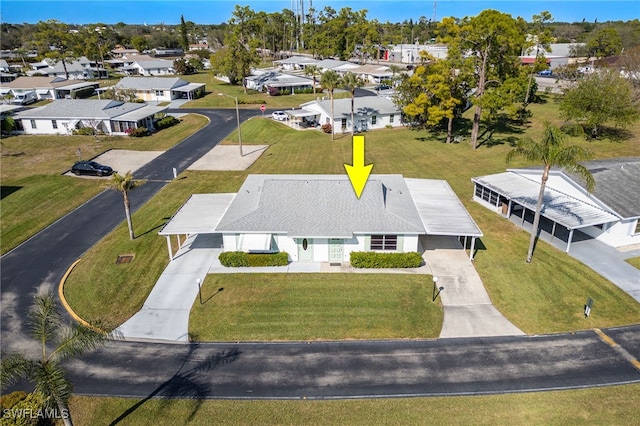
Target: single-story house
<point>79,69</point>
<point>48,88</point>
<point>332,64</point>
<point>107,116</point>
<point>609,214</point>
<point>373,73</point>
<point>121,51</point>
<point>149,68</point>
<point>317,218</point>
<point>295,63</point>
<point>410,53</point>
<point>276,82</point>
<point>161,89</point>
<point>370,113</point>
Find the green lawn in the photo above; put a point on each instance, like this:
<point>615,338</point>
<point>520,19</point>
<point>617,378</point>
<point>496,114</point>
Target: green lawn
<point>315,307</point>
<point>635,261</point>
<point>545,296</point>
<point>251,100</point>
<point>35,194</point>
<point>616,405</point>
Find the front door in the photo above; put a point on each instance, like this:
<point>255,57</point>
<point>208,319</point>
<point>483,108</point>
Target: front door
<point>305,250</point>
<point>335,250</point>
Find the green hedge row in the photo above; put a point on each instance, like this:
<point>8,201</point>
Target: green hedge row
<point>237,259</point>
<point>167,121</point>
<point>367,259</point>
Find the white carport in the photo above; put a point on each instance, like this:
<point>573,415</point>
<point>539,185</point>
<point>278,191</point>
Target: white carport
<point>200,214</point>
<point>442,212</point>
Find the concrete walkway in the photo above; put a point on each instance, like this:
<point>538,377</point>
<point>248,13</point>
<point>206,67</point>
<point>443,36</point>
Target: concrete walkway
<point>165,313</point>
<point>468,311</point>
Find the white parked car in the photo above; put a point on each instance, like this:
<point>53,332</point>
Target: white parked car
<point>279,115</point>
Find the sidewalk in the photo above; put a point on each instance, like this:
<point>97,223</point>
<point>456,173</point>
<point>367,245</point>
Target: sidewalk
<point>468,311</point>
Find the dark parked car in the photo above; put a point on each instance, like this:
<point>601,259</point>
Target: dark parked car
<point>382,87</point>
<point>90,168</point>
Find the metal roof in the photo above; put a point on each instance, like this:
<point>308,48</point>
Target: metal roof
<point>366,105</point>
<point>151,83</point>
<point>557,206</point>
<point>440,209</point>
<point>321,206</point>
<point>141,113</point>
<point>199,215</point>
<point>83,109</point>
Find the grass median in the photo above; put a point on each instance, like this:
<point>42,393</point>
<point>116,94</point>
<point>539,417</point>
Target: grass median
<point>35,194</point>
<point>611,405</point>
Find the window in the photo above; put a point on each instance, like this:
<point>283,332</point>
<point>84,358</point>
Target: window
<point>159,92</point>
<point>391,118</point>
<point>374,119</point>
<point>54,124</point>
<point>344,123</point>
<point>384,242</point>
<point>33,124</point>
<point>478,191</point>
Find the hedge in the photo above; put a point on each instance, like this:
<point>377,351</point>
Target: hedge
<point>237,259</point>
<point>367,259</point>
<point>167,121</point>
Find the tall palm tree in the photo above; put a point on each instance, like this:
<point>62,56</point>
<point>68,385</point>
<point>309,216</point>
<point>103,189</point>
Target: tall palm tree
<point>551,151</point>
<point>125,184</point>
<point>351,82</point>
<point>312,70</point>
<point>45,325</point>
<point>330,81</point>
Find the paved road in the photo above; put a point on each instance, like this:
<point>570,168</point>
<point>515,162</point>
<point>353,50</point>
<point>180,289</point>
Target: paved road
<point>291,370</point>
<point>42,260</point>
<point>351,369</point>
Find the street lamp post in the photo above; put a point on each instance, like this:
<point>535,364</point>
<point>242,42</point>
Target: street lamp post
<point>235,98</point>
<point>435,287</point>
<point>199,289</point>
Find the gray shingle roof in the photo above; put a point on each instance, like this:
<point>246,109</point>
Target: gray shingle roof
<point>366,105</point>
<point>82,109</point>
<point>150,83</point>
<point>321,206</point>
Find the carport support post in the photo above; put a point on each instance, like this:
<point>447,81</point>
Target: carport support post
<point>569,240</point>
<point>473,245</point>
<point>169,247</point>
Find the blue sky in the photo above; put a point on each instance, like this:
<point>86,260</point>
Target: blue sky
<point>217,11</point>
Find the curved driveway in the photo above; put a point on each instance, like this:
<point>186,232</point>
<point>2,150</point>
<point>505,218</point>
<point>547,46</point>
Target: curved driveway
<point>296,369</point>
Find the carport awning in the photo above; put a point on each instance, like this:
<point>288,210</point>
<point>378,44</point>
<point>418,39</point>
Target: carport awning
<point>440,209</point>
<point>301,112</point>
<point>199,215</point>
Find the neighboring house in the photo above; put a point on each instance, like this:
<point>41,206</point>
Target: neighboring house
<point>370,113</point>
<point>159,89</point>
<point>559,54</point>
<point>106,116</point>
<point>295,63</point>
<point>149,68</point>
<point>410,53</point>
<point>161,51</point>
<point>49,88</point>
<point>79,69</point>
<point>373,73</point>
<point>332,64</point>
<point>4,66</point>
<point>610,214</point>
<point>275,82</point>
<point>121,51</point>
<point>317,218</point>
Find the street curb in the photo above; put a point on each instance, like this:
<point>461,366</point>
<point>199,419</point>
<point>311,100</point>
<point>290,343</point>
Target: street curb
<point>66,305</point>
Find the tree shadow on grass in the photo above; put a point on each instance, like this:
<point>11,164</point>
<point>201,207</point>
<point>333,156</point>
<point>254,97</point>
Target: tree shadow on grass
<point>506,129</point>
<point>187,383</point>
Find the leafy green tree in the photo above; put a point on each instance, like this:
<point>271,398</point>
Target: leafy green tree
<point>605,42</point>
<point>600,98</point>
<point>494,40</point>
<point>97,41</point>
<point>47,327</point>
<point>54,40</point>
<point>551,151</point>
<point>124,184</point>
<point>330,80</point>
<point>184,34</point>
<point>541,41</point>
<point>183,66</point>
<point>351,82</point>
<point>312,70</point>
<point>140,43</point>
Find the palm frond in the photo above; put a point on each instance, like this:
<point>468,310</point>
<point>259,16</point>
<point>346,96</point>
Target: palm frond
<point>44,320</point>
<point>13,368</point>
<point>50,381</point>
<point>76,341</point>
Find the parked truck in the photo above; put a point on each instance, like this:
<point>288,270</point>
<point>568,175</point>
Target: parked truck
<point>25,98</point>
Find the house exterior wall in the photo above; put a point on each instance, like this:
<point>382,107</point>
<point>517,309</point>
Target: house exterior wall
<point>382,120</point>
<point>617,234</point>
<point>62,127</point>
<point>155,95</point>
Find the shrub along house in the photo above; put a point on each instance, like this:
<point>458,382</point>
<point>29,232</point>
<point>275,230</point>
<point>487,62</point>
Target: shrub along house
<point>318,217</point>
<point>611,214</point>
<point>111,117</point>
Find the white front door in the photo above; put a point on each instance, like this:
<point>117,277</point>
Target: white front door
<point>336,250</point>
<point>305,250</point>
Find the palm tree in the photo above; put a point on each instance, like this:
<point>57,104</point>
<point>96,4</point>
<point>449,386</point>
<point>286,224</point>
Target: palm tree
<point>125,184</point>
<point>312,70</point>
<point>46,326</point>
<point>351,82</point>
<point>330,81</point>
<point>551,151</point>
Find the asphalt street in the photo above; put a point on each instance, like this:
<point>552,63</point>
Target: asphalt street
<point>296,369</point>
